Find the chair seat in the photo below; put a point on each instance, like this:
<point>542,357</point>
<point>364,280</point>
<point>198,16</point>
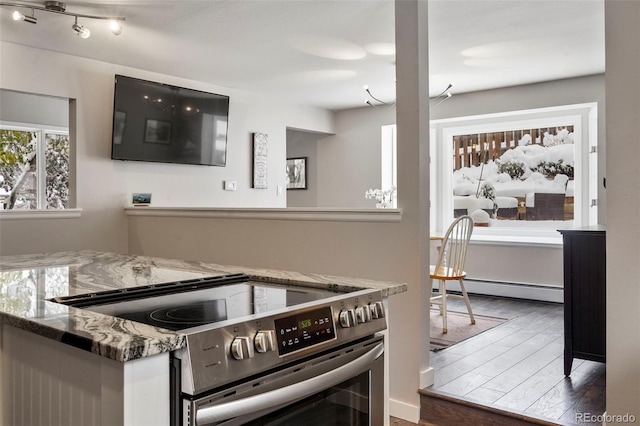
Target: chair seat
<point>444,273</point>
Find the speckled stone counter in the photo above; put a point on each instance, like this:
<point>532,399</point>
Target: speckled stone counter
<point>28,282</point>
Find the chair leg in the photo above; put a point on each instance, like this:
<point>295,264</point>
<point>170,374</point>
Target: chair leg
<point>443,306</point>
<point>465,296</point>
<point>442,292</point>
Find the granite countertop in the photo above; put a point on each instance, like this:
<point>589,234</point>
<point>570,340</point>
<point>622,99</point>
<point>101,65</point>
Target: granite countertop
<point>28,282</point>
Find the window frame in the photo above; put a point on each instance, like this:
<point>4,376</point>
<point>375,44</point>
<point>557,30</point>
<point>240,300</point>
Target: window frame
<point>584,119</point>
<point>389,160</point>
<point>41,131</point>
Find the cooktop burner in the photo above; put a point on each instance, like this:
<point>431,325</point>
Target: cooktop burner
<point>180,317</point>
<point>197,313</point>
<point>179,306</point>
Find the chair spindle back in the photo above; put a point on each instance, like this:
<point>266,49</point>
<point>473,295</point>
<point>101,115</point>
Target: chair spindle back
<point>453,251</point>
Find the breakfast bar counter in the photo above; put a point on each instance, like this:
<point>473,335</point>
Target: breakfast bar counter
<point>29,283</point>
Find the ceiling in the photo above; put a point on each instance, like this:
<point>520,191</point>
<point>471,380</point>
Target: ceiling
<point>321,53</point>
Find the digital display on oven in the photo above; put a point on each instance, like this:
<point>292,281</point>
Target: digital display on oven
<point>303,330</point>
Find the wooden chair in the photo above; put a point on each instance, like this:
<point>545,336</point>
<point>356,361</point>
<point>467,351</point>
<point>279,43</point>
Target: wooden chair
<point>449,266</point>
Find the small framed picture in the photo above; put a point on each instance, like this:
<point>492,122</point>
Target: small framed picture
<point>157,131</point>
<point>297,173</point>
<point>141,199</point>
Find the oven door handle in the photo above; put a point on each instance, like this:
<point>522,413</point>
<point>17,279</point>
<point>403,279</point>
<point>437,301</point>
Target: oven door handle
<point>288,394</point>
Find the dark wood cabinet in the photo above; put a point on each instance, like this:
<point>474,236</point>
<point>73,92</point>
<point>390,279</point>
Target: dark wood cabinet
<point>584,252</point>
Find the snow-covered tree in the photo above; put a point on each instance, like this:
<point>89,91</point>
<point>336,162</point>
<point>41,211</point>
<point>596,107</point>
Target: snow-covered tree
<point>18,171</point>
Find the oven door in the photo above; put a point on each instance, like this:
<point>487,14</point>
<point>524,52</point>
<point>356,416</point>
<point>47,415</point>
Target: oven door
<point>344,386</point>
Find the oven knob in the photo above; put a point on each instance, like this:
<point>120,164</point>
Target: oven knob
<point>363,314</point>
<point>348,318</point>
<point>265,341</point>
<point>241,348</point>
<point>377,310</point>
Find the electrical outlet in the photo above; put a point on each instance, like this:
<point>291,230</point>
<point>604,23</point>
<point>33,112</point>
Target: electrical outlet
<point>230,185</point>
<point>279,190</point>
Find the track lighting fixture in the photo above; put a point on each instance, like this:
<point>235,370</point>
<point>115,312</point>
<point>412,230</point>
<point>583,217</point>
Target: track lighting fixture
<point>442,96</point>
<point>115,24</point>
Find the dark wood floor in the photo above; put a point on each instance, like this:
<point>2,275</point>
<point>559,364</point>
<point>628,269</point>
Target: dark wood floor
<point>394,421</point>
<point>518,366</point>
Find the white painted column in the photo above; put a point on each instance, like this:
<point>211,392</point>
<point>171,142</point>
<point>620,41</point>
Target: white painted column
<point>622,32</point>
<point>409,333</point>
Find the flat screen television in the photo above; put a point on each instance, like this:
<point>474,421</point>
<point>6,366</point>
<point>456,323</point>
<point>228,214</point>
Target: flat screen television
<point>162,123</point>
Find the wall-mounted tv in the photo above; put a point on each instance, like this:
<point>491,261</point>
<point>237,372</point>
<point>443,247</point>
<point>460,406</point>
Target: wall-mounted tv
<point>168,124</point>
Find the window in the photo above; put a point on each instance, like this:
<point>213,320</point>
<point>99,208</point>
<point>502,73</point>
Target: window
<point>532,172</point>
<point>34,167</point>
<point>388,166</point>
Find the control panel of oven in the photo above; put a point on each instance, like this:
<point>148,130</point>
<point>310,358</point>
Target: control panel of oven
<point>220,355</point>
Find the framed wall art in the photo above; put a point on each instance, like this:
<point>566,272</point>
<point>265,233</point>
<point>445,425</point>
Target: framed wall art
<point>260,145</point>
<point>297,173</point>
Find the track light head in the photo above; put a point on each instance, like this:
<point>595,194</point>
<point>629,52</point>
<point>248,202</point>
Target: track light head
<point>115,27</point>
<point>17,16</point>
<point>81,31</point>
<point>368,102</point>
<point>445,92</point>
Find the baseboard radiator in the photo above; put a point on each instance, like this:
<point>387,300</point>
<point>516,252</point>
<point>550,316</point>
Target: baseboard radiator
<point>541,292</point>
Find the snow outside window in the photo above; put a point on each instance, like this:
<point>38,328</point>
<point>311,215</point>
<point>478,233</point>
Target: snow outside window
<point>34,167</point>
<point>523,185</point>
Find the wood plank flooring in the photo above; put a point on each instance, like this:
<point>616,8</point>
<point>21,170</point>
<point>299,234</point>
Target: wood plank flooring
<point>518,366</point>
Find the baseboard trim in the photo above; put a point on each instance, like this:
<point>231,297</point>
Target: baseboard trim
<point>404,411</point>
<point>427,377</point>
<point>543,293</point>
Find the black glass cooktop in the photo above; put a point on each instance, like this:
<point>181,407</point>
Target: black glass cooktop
<point>192,305</point>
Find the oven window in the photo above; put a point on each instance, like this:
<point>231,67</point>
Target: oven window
<point>342,405</point>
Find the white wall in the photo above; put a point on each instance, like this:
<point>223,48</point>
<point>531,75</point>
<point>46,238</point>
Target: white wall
<point>20,107</point>
<point>349,161</point>
<point>622,23</point>
<point>105,186</point>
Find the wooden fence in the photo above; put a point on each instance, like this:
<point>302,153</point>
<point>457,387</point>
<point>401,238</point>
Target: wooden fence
<point>473,150</point>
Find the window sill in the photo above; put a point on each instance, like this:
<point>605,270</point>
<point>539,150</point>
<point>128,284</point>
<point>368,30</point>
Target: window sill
<point>522,233</point>
<point>518,241</point>
<point>40,214</point>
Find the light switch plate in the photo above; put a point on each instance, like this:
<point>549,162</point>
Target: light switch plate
<point>230,185</point>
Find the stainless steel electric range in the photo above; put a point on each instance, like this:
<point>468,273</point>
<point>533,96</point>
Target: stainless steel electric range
<point>262,353</point>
